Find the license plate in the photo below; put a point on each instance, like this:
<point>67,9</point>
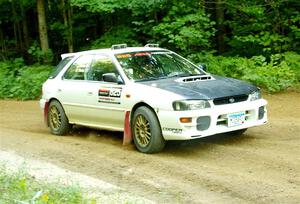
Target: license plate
<point>236,119</point>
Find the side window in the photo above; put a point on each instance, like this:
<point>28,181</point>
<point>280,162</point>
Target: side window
<point>60,66</point>
<point>78,70</point>
<point>101,65</point>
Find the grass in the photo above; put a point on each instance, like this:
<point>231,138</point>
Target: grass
<point>20,188</point>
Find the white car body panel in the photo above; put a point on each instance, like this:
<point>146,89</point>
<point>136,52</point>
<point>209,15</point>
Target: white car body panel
<point>80,100</point>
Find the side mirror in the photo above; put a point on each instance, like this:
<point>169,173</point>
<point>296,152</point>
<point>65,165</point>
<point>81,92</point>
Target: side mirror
<point>110,77</point>
<point>203,67</point>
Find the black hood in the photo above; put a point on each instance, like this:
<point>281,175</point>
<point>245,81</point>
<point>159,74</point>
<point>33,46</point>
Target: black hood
<point>204,89</point>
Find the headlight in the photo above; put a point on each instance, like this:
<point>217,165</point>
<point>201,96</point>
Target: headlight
<point>255,95</point>
<point>190,105</point>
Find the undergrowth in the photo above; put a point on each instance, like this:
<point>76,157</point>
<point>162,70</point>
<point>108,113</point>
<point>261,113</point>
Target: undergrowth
<point>275,74</point>
<point>22,82</point>
<point>21,188</point>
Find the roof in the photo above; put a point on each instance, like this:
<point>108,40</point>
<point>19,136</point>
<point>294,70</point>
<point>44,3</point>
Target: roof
<point>112,51</point>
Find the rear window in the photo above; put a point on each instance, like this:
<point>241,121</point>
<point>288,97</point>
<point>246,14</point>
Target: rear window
<point>60,66</point>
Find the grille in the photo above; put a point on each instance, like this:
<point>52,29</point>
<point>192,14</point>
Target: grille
<point>230,99</point>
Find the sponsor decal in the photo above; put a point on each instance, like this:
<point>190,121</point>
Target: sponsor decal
<point>108,100</point>
<point>103,92</point>
<point>142,54</point>
<point>173,130</point>
<point>110,95</point>
<point>123,56</point>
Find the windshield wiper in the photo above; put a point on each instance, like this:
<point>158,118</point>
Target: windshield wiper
<point>151,79</point>
<point>182,74</point>
<point>147,79</point>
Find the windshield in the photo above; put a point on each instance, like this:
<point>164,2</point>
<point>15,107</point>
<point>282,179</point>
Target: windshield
<point>143,66</point>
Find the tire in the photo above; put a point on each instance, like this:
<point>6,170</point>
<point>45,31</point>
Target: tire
<point>57,119</point>
<point>146,130</point>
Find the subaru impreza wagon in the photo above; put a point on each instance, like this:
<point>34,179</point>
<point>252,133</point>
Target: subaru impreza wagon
<point>150,93</point>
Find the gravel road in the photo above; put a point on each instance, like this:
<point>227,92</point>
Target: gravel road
<point>262,166</point>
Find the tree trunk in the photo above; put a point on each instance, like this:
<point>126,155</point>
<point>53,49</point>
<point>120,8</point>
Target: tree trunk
<point>42,25</point>
<point>67,16</point>
<point>25,27</point>
<point>14,13</point>
<point>220,24</point>
<point>2,44</point>
<point>70,13</point>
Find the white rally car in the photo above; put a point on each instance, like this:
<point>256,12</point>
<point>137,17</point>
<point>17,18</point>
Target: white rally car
<point>150,93</point>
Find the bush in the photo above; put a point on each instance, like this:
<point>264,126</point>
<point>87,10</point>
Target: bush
<point>276,74</point>
<point>20,81</point>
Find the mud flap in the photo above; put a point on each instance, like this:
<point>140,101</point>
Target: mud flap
<point>46,109</point>
<point>127,137</point>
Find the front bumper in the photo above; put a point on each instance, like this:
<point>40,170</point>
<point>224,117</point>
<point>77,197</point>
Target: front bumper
<point>173,129</point>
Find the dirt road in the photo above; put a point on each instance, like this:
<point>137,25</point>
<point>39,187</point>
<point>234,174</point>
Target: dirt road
<point>262,166</point>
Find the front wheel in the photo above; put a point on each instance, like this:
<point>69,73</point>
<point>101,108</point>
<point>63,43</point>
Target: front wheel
<point>58,121</point>
<point>147,135</point>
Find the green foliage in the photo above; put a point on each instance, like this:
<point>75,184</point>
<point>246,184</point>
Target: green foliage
<point>186,30</point>
<point>39,55</point>
<point>118,35</point>
<point>20,81</point>
<point>262,27</point>
<point>20,187</point>
<point>244,28</point>
<point>109,6</point>
<point>281,72</point>
<point>293,61</point>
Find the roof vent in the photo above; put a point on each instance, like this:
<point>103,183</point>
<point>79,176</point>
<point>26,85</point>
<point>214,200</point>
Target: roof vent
<point>118,46</point>
<point>152,45</point>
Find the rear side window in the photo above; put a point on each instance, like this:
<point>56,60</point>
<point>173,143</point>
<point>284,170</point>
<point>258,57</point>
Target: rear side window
<point>60,66</point>
<point>78,70</point>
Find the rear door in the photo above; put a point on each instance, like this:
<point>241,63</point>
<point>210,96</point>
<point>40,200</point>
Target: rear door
<point>73,91</point>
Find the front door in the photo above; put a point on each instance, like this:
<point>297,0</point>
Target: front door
<point>106,96</point>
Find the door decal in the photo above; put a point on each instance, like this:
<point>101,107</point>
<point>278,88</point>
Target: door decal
<point>110,95</point>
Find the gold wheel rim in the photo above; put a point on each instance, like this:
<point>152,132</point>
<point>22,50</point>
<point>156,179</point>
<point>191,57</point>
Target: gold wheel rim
<point>142,131</point>
<point>55,118</point>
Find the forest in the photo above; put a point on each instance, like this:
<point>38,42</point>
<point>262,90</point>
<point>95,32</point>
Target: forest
<point>253,40</point>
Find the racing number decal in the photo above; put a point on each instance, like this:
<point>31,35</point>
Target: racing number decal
<point>115,93</point>
<point>110,95</point>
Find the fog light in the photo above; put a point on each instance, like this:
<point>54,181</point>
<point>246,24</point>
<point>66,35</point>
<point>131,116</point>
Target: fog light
<point>203,123</point>
<point>185,120</point>
<point>261,112</point>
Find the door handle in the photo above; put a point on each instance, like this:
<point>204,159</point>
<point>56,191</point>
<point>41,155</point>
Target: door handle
<point>59,90</point>
<point>90,93</point>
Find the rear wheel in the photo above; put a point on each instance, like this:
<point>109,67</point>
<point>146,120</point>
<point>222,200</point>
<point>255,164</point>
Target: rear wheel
<point>58,121</point>
<point>146,131</point>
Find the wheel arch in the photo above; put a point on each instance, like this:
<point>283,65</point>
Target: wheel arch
<point>140,104</point>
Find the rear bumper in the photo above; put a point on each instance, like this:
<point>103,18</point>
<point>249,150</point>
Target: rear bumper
<point>173,129</point>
